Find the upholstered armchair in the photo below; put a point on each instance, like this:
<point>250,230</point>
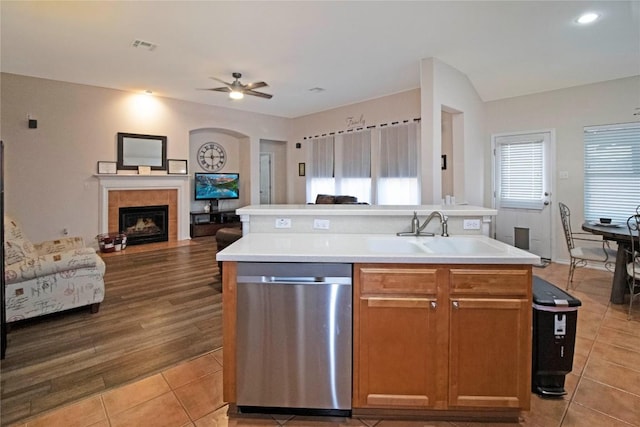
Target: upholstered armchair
<point>50,276</point>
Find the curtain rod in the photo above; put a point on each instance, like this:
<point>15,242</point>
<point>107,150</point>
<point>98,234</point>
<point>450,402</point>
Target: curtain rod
<point>417,119</point>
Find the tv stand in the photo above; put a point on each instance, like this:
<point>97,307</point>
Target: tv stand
<point>207,223</point>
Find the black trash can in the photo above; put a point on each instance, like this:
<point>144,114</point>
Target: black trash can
<point>555,315</point>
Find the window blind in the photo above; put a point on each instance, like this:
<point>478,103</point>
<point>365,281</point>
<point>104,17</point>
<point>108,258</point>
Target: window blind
<point>521,180</point>
<point>611,171</point>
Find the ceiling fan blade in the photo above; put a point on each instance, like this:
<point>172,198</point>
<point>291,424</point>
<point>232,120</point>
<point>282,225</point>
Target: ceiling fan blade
<point>256,85</point>
<point>218,89</point>
<point>255,93</point>
<point>220,80</point>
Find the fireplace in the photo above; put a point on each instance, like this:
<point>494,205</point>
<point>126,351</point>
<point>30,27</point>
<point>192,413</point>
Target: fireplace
<point>119,191</point>
<point>144,224</point>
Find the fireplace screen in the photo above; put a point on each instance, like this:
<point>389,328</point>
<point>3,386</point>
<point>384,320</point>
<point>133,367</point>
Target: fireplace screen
<point>145,224</point>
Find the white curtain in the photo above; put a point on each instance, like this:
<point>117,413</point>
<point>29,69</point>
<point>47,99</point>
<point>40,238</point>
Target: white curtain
<point>322,157</point>
<point>355,165</point>
<point>398,183</point>
<point>321,176</point>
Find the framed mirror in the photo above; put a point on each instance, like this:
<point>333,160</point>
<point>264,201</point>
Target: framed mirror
<point>142,150</point>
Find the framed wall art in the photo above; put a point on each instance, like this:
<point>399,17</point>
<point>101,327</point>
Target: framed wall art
<point>176,166</point>
<point>107,167</point>
<point>142,150</point>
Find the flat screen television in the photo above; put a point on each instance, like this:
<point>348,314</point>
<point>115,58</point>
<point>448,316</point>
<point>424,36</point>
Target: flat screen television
<point>216,186</point>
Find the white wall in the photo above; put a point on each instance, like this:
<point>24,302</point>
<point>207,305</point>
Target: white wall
<point>567,111</point>
<point>445,88</point>
<point>49,182</point>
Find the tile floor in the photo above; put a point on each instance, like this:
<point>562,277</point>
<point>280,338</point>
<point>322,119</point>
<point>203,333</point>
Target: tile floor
<point>603,388</point>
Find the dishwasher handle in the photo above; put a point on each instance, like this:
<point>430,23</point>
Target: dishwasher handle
<point>295,280</point>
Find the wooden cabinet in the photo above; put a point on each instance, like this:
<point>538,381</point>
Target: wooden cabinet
<point>432,337</point>
<point>490,338</point>
<point>208,223</point>
<point>395,336</point>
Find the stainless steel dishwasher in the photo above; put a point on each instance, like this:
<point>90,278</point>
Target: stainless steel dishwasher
<point>294,338</point>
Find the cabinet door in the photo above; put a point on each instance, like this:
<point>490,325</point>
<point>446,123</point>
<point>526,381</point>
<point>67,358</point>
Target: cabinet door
<point>395,327</point>
<point>396,353</point>
<point>490,352</point>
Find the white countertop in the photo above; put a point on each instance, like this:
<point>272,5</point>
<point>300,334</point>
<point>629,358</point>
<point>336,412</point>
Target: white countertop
<point>365,210</point>
<point>375,248</point>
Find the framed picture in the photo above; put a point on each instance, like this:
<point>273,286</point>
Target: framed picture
<point>175,166</point>
<point>107,168</point>
<point>301,169</point>
<point>144,170</point>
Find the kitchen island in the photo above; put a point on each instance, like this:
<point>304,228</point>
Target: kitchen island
<point>441,325</point>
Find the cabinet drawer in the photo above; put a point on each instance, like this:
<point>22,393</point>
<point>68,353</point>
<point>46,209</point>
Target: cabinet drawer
<point>384,280</point>
<point>490,281</point>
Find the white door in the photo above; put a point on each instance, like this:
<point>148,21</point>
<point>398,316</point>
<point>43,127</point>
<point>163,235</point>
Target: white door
<point>522,190</point>
<point>265,178</point>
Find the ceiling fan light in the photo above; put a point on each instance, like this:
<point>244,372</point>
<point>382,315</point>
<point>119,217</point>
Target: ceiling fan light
<point>587,18</point>
<point>234,94</point>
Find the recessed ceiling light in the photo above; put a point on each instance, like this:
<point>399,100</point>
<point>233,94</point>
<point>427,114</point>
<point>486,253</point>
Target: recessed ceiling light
<point>587,18</point>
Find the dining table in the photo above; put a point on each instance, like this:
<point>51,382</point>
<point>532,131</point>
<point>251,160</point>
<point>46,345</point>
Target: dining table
<point>620,234</point>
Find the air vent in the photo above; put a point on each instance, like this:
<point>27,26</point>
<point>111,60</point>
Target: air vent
<point>143,45</point>
<point>316,89</point>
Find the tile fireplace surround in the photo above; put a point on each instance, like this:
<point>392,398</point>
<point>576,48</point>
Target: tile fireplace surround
<point>135,190</point>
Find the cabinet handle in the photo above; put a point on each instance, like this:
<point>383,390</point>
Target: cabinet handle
<point>434,305</point>
<point>456,304</point>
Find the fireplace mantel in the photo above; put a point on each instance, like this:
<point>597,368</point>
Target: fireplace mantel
<point>146,182</point>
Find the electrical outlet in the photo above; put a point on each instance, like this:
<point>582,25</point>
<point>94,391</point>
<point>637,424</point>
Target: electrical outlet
<point>65,231</point>
<point>471,224</point>
<point>321,224</point>
<point>563,174</point>
<point>283,222</point>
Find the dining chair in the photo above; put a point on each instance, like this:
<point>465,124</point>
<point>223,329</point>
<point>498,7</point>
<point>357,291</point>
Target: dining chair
<point>581,255</point>
<point>633,255</point>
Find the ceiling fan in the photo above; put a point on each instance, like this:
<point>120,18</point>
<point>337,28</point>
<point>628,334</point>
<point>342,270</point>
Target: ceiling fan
<point>237,90</point>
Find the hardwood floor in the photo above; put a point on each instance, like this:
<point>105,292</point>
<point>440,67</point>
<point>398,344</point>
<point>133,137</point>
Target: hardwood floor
<point>161,308</point>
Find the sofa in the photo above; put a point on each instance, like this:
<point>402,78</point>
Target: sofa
<point>48,277</point>
<point>329,199</point>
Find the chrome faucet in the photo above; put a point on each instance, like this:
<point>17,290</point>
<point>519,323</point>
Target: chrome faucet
<point>416,228</point>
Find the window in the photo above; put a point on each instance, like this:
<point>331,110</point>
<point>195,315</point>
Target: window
<point>611,171</point>
<point>343,165</point>
<point>398,181</point>
<point>520,169</point>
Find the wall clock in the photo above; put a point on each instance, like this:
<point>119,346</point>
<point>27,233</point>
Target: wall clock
<point>211,156</point>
